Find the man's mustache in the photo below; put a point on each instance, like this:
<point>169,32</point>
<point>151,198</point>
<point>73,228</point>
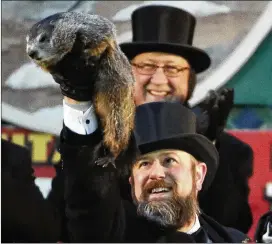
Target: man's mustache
<point>156,184</point>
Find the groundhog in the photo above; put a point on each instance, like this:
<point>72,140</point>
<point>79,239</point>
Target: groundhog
<point>81,51</point>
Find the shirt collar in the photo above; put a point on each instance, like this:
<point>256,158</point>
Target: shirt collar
<point>195,226</point>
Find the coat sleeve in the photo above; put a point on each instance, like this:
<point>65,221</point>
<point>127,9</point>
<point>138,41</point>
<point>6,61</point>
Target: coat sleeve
<point>93,205</point>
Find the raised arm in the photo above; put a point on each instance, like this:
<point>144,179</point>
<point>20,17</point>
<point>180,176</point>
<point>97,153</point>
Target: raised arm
<point>86,61</point>
<point>92,197</point>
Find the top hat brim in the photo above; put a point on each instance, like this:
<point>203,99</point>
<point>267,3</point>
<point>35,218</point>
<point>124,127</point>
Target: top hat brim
<point>198,59</point>
<point>195,144</point>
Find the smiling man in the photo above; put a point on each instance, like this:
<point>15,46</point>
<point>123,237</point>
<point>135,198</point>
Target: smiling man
<point>164,61</point>
<point>159,77</point>
<point>165,185</point>
<point>172,166</point>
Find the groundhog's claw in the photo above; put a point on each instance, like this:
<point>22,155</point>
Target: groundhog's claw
<point>105,161</point>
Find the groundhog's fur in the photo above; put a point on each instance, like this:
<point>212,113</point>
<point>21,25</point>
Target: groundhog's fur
<point>82,48</point>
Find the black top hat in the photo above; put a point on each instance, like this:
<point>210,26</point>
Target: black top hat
<point>167,125</point>
<point>165,29</point>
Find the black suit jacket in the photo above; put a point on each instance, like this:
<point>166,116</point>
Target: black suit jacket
<point>227,198</point>
<point>25,215</point>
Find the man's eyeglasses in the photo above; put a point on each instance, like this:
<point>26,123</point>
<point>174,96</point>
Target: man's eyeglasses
<point>150,69</point>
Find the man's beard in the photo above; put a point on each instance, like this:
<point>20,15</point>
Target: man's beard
<point>173,212</point>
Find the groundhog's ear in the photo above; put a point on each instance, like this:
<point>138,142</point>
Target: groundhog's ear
<point>50,28</point>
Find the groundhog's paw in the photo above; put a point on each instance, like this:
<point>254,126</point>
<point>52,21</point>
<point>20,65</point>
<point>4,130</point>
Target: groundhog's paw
<point>105,161</point>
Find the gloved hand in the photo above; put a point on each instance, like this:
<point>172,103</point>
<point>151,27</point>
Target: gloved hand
<point>213,112</point>
<point>263,232</point>
<point>79,89</point>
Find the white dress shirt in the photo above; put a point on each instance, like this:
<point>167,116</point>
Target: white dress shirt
<point>80,118</point>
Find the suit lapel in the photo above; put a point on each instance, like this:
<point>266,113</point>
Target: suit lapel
<point>214,230</point>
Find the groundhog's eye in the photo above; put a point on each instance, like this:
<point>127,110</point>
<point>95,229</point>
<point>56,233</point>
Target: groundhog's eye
<point>43,38</point>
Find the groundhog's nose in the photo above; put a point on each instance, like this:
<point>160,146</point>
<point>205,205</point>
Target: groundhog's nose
<point>33,54</point>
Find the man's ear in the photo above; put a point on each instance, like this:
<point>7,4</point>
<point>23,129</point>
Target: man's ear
<point>130,180</point>
<point>201,170</point>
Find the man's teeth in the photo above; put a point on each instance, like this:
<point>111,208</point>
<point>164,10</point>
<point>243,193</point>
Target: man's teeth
<point>160,189</point>
<point>158,93</point>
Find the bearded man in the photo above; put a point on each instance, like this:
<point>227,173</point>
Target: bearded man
<point>172,166</point>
